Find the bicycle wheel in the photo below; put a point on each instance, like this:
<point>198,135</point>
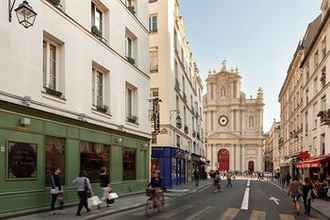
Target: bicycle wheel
<point>149,207</point>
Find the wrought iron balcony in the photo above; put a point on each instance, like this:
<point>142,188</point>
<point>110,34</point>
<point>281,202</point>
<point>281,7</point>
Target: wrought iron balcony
<point>324,117</point>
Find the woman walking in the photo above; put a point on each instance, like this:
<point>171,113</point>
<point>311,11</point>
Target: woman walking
<point>104,184</point>
<point>56,190</point>
<point>295,193</point>
<point>84,190</point>
<point>307,195</point>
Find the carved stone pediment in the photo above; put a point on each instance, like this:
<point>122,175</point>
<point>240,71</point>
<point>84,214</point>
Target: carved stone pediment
<point>223,135</point>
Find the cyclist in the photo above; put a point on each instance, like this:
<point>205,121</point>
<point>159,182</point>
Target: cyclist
<point>155,185</point>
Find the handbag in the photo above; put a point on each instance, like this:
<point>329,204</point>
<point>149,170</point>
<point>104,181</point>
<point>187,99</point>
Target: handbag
<point>54,189</point>
<point>94,201</point>
<point>113,196</point>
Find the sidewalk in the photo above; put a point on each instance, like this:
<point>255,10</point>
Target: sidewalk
<point>320,206</point>
<point>122,204</point>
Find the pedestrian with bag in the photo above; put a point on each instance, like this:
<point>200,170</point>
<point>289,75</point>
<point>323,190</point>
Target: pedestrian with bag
<point>104,184</point>
<point>294,191</point>
<point>56,190</point>
<point>84,191</point>
<point>308,195</point>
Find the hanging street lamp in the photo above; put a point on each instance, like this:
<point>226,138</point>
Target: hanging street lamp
<point>26,16</point>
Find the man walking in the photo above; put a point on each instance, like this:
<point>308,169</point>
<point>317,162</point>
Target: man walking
<point>196,176</point>
<point>229,184</point>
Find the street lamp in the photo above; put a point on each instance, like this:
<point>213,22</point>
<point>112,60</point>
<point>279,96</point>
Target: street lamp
<point>24,12</point>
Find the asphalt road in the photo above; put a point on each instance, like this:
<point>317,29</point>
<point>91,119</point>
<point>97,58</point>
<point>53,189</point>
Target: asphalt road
<point>225,205</point>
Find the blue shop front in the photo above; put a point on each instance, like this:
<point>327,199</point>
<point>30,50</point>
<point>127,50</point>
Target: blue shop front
<point>171,163</point>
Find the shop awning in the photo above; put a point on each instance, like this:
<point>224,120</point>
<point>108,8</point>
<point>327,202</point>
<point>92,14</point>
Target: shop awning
<point>314,162</point>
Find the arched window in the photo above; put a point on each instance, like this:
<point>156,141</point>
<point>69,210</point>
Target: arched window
<point>251,121</point>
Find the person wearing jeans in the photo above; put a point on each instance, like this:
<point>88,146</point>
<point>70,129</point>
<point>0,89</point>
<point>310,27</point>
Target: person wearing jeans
<point>307,195</point>
<point>56,190</point>
<point>84,190</point>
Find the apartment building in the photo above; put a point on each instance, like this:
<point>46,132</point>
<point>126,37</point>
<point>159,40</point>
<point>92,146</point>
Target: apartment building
<point>178,147</point>
<point>74,95</point>
<point>307,122</point>
<point>271,149</point>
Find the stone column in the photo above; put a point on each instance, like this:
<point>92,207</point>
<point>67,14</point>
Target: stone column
<point>234,149</point>
<point>212,159</point>
<point>243,157</point>
<point>259,158</point>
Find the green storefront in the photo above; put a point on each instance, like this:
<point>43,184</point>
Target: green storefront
<point>32,143</point>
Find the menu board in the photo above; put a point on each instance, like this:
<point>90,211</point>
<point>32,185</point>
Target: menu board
<point>22,160</point>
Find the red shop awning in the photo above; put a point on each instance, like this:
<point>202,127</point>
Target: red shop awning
<point>313,162</point>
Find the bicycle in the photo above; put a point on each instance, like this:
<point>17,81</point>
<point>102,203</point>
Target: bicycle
<point>151,207</point>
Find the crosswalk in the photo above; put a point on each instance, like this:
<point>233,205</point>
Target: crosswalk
<point>228,214</point>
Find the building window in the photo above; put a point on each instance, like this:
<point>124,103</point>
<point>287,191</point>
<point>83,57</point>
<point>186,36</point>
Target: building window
<point>322,143</point>
<point>178,141</point>
<point>316,59</point>
<point>131,104</point>
<point>315,86</point>
<point>97,20</point>
<point>324,47</point>
<point>153,23</point>
<point>315,116</point>
<point>131,6</point>
<point>223,91</point>
<point>307,70</point>
<point>93,157</point>
<point>323,103</point>
<point>153,59</point>
<point>52,66</point>
<point>131,47</point>
<point>22,160</point>
<point>177,103</point>
<point>323,78</point>
<point>129,164</point>
<point>154,92</point>
<point>306,123</point>
<point>100,88</point>
<point>307,97</point>
<point>152,1</point>
<point>55,157</point>
<point>154,139</point>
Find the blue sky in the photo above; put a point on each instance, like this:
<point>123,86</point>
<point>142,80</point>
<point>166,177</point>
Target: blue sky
<point>258,36</point>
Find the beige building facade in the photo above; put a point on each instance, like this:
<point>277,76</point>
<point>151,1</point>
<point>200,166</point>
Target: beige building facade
<point>175,80</point>
<point>305,103</point>
<point>233,124</point>
<point>271,148</point>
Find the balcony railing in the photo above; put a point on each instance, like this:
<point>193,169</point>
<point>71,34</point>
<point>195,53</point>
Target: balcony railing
<point>131,9</point>
<point>132,119</point>
<point>102,108</point>
<point>324,117</point>
<point>98,34</point>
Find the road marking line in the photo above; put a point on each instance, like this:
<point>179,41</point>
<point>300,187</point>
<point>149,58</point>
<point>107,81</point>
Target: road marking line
<point>245,201</point>
<point>287,217</point>
<point>248,183</point>
<point>258,215</point>
<point>229,214</point>
<point>175,212</point>
<point>198,214</point>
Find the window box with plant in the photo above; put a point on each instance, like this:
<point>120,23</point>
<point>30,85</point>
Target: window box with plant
<point>130,60</point>
<point>57,3</point>
<point>53,92</point>
<point>132,119</point>
<point>102,108</point>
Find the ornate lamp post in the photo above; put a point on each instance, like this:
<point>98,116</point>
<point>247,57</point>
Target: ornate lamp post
<point>25,14</point>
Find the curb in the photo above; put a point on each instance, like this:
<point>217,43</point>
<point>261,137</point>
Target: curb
<point>314,209</point>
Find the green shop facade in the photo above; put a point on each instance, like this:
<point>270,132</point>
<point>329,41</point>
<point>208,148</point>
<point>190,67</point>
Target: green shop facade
<point>33,143</point>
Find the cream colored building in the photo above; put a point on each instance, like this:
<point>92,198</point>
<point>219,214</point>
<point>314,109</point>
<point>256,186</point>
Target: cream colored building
<point>271,149</point>
<point>304,100</point>
<point>233,123</point>
<point>175,80</point>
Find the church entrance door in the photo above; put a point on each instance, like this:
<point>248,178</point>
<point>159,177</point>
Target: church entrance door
<point>223,160</point>
<point>251,166</point>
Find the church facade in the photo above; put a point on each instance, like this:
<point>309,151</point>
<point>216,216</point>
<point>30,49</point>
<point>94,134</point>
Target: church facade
<point>233,124</point>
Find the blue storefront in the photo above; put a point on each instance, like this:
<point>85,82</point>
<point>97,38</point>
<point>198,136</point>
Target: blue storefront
<point>171,163</point>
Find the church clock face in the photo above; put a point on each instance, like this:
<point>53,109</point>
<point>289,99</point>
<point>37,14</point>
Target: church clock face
<point>223,120</point>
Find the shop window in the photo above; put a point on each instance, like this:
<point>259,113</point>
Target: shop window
<point>55,157</point>
<point>92,157</point>
<point>22,160</point>
<point>129,164</point>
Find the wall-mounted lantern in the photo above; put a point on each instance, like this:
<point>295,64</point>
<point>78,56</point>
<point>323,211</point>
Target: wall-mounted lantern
<point>25,14</point>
